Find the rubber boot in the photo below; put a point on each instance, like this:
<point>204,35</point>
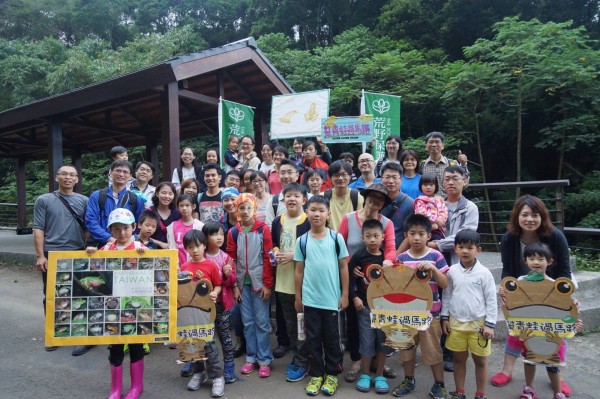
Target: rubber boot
<point>116,382</point>
<point>229,373</point>
<point>136,370</point>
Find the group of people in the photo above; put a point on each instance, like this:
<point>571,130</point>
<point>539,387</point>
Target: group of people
<point>306,228</point>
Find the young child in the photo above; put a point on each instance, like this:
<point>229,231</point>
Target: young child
<point>191,187</point>
<point>410,174</point>
<point>286,228</point>
<point>371,340</point>
<point>194,242</point>
<point>315,181</point>
<point>148,223</point>
<point>538,258</point>
<point>249,244</point>
<point>417,230</point>
<point>432,206</point>
<point>321,293</point>
<point>117,153</point>
<point>215,238</point>
<point>176,230</point>
<point>231,155</point>
<point>121,224</point>
<point>469,312</point>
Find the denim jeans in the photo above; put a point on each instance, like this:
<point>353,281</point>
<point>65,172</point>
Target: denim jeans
<point>255,316</point>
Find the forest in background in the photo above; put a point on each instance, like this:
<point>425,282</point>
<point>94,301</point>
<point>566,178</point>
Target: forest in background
<point>513,83</point>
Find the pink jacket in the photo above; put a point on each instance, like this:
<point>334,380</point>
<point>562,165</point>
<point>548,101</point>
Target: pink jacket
<point>433,207</point>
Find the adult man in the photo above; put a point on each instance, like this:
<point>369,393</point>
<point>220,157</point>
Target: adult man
<point>209,202</point>
<point>436,163</point>
<point>144,171</point>
<point>233,179</point>
<point>402,205</point>
<point>366,162</point>
<point>58,226</point>
<point>462,213</point>
<point>249,160</point>
<point>102,202</point>
<point>288,173</point>
<point>342,199</point>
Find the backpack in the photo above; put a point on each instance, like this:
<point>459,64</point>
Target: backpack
<point>129,197</point>
<point>275,204</point>
<point>235,234</point>
<point>396,204</point>
<point>353,197</point>
<point>304,239</point>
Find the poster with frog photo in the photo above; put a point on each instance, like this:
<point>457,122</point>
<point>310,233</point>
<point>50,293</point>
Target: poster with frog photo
<point>111,297</point>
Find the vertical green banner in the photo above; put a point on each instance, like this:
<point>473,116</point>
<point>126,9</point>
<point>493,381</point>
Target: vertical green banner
<point>234,120</point>
<point>385,109</point>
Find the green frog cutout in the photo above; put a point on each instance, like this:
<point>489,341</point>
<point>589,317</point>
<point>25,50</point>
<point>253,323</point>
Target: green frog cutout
<point>541,312</point>
<point>195,316</point>
<point>400,300</point>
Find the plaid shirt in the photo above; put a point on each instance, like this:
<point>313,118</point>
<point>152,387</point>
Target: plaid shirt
<point>429,166</point>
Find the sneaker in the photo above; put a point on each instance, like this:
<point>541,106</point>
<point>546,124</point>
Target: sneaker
<point>330,385</point>
<point>438,392</point>
<point>280,351</point>
<point>295,373</point>
<point>218,387</point>
<point>456,395</point>
<point>248,368</point>
<point>239,348</point>
<point>314,386</point>
<point>448,366</point>
<point>528,393</point>
<point>560,396</point>
<point>565,388</point>
<point>146,349</point>
<point>196,380</point>
<point>187,370</point>
<point>405,387</point>
<point>264,371</point>
<point>229,373</point>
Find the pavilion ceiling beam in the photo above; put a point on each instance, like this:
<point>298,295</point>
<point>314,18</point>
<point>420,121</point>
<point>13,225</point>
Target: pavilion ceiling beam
<point>192,95</point>
<point>103,128</point>
<point>237,84</point>
<point>127,111</point>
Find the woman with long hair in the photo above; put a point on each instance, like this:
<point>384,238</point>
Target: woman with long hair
<point>164,200</point>
<point>393,149</point>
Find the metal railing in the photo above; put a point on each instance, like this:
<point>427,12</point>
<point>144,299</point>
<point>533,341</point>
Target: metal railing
<point>8,215</point>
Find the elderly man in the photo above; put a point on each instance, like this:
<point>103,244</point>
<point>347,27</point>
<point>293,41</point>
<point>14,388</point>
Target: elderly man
<point>58,226</point>
<point>102,202</point>
<point>436,163</point>
<point>144,171</point>
<point>402,205</point>
<point>366,165</point>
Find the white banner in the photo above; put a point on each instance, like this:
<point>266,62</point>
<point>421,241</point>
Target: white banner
<point>299,114</point>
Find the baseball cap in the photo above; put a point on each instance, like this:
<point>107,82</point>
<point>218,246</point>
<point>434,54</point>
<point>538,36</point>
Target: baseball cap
<point>121,215</point>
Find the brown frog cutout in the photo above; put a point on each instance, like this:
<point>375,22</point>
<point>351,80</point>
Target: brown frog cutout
<point>399,291</point>
<point>531,299</point>
<point>195,316</point>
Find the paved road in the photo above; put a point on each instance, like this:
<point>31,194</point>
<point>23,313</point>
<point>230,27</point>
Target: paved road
<point>27,371</point>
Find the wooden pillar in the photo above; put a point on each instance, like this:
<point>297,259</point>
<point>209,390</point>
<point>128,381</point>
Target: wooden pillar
<point>21,197</point>
<point>152,157</point>
<point>76,159</point>
<point>55,151</point>
<point>170,129</point>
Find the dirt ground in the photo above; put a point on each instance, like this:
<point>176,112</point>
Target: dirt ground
<point>27,371</point>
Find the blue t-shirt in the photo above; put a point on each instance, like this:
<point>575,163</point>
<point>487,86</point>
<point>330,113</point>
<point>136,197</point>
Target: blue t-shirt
<point>410,186</point>
<point>321,284</point>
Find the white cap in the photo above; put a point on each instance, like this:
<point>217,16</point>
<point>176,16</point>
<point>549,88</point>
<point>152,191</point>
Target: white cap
<point>121,215</point>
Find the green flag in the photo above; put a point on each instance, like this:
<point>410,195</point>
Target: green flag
<point>234,120</point>
<point>385,109</point>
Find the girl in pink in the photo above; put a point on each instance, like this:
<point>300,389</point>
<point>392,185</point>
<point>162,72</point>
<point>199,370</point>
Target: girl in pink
<point>177,229</point>
<point>432,206</point>
<point>216,236</point>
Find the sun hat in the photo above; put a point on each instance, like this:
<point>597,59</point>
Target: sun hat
<point>121,215</point>
<point>377,188</point>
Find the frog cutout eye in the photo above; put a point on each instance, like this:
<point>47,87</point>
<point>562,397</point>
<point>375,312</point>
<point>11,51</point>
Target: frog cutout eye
<point>563,286</point>
<point>511,285</point>
<point>374,272</point>
<point>422,275</point>
<point>203,288</point>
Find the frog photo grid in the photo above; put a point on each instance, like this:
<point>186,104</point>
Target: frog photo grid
<point>116,297</point>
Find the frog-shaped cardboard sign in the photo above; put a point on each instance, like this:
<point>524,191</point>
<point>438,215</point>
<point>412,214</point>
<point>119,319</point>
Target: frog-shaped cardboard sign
<point>400,300</point>
<point>195,316</point>
<point>541,313</point>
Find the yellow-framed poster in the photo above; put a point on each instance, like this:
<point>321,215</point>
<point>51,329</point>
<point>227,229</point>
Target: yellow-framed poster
<point>111,297</point>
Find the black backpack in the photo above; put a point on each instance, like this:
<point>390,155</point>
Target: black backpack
<point>129,197</point>
<point>353,197</point>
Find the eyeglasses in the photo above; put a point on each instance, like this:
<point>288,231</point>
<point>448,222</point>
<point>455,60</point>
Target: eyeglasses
<point>67,174</point>
<point>121,171</point>
<point>341,176</point>
<point>455,179</point>
<point>365,160</point>
<point>480,337</point>
<point>142,169</point>
<point>258,181</point>
<point>390,177</point>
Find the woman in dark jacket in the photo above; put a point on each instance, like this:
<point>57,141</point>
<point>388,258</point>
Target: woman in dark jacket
<point>530,223</point>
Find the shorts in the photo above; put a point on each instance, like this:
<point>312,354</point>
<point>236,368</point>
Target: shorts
<point>516,347</point>
<point>370,340</point>
<point>429,340</point>
<point>468,340</point>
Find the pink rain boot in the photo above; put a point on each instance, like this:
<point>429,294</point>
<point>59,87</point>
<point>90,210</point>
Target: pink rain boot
<point>116,382</point>
<point>136,370</point>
